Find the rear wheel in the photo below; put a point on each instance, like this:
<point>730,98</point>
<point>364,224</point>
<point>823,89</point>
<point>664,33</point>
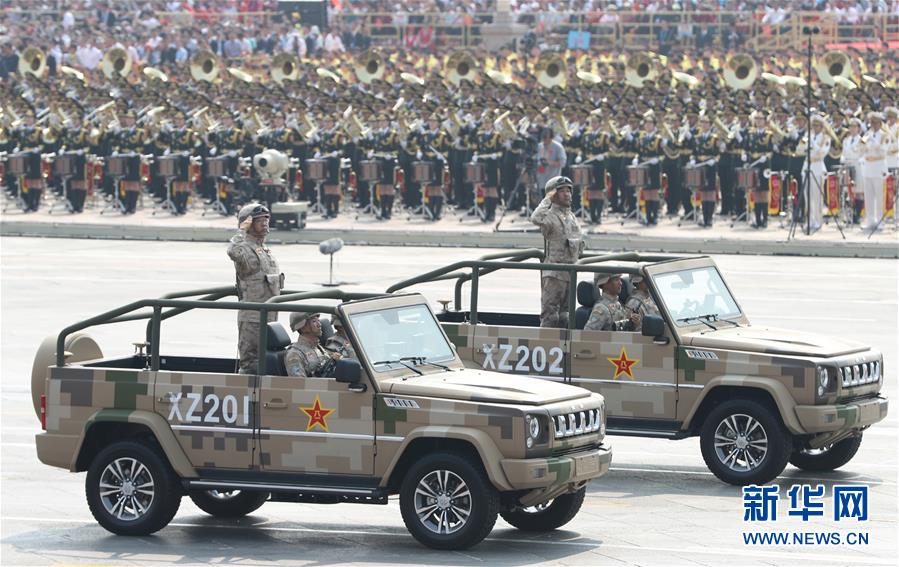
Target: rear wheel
<point>827,458</point>
<point>447,502</point>
<point>548,516</point>
<point>131,489</point>
<point>228,503</point>
<point>744,442</point>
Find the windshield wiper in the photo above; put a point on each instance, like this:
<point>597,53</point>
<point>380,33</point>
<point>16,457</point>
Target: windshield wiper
<point>419,360</point>
<point>734,323</point>
<point>704,319</point>
<point>401,361</point>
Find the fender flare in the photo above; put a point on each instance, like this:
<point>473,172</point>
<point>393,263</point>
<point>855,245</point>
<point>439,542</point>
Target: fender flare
<point>489,454</point>
<point>786,405</point>
<point>158,426</point>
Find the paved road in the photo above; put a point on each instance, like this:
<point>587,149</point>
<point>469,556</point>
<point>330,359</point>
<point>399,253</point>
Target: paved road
<point>658,506</point>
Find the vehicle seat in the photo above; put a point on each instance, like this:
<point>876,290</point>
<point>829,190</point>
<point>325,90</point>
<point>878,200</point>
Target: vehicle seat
<point>327,330</point>
<point>627,288</point>
<point>586,297</point>
<point>277,342</point>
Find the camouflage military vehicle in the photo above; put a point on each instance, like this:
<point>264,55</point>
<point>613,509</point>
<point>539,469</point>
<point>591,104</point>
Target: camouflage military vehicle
<point>757,397</point>
<point>459,446</point>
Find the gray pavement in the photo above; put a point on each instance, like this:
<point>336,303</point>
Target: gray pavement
<point>659,505</point>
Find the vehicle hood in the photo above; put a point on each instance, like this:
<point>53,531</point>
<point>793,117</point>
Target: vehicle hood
<point>768,340</point>
<point>483,386</point>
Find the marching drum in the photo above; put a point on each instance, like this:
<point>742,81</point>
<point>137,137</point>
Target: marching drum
<point>171,165</point>
<point>747,178</point>
<point>24,163</point>
<point>370,170</point>
<point>422,172</point>
<point>69,164</point>
<point>637,175</point>
<point>123,165</point>
<point>219,166</point>
<point>694,177</point>
<point>582,175</point>
<point>474,172</point>
<point>316,169</point>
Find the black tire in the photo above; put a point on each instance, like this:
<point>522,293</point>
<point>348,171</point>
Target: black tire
<point>228,503</point>
<point>452,473</point>
<point>148,492</point>
<point>750,465</point>
<point>556,514</point>
<point>829,458</point>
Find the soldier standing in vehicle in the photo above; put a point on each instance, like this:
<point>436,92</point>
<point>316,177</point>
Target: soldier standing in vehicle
<point>306,357</point>
<point>640,301</point>
<point>339,342</point>
<point>608,314</point>
<point>258,279</point>
<point>563,244</point>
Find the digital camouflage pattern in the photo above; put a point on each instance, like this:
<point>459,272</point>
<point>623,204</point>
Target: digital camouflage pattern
<point>606,311</point>
<point>641,303</point>
<point>305,357</point>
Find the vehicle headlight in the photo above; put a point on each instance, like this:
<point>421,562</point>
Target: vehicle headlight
<point>533,428</point>
<point>823,380</point>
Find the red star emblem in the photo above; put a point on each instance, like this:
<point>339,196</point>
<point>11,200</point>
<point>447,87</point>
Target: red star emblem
<point>317,415</point>
<point>623,364</point>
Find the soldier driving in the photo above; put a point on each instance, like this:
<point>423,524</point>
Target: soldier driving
<point>306,357</point>
<point>608,314</point>
<point>339,342</point>
<point>258,279</point>
<point>640,302</point>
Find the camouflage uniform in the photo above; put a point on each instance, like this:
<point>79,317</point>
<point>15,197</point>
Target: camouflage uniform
<point>339,344</point>
<point>606,312</point>
<point>306,357</point>
<point>641,303</point>
<point>258,279</point>
<point>563,243</point>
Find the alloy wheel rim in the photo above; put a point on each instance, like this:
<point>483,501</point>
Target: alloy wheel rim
<point>442,502</point>
<point>741,442</point>
<point>127,489</point>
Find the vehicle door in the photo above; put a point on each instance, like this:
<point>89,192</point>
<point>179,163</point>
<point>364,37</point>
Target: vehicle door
<point>212,416</point>
<point>533,351</point>
<point>315,425</point>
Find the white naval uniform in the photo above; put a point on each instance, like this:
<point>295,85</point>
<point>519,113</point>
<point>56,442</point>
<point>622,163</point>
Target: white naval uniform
<point>820,147</point>
<point>852,156</point>
<point>873,169</point>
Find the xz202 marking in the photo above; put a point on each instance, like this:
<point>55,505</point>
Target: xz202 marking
<point>526,359</point>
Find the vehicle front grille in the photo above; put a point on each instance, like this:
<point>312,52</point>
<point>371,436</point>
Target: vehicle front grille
<point>572,450</point>
<point>577,423</point>
<point>860,374</point>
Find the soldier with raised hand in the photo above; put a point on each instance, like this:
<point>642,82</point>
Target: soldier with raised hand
<point>258,279</point>
<point>563,244</point>
<point>640,301</point>
<point>608,314</point>
<point>306,357</point>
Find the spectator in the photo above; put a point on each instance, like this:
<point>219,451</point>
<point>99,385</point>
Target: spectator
<point>333,43</point>
<point>233,48</point>
<point>89,56</point>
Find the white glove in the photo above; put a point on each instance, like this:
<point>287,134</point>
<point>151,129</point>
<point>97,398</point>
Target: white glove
<point>600,157</point>
<point>370,154</point>
<point>317,155</point>
<point>763,159</point>
<point>744,157</point>
<point>635,161</point>
<point>418,154</point>
<point>474,158</point>
<point>692,162</point>
<point>167,152</point>
<point>578,159</point>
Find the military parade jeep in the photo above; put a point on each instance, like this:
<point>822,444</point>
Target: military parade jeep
<point>459,446</point>
<point>757,397</point>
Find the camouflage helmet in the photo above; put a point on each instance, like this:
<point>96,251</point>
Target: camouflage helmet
<point>299,318</point>
<point>252,210</point>
<point>636,278</point>
<point>600,279</point>
<point>558,182</point>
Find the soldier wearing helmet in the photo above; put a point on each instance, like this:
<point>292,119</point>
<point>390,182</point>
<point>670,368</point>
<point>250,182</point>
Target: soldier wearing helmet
<point>563,243</point>
<point>339,342</point>
<point>640,301</point>
<point>306,357</point>
<point>258,279</point>
<point>608,314</point>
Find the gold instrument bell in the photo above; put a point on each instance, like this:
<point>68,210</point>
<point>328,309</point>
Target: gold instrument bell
<point>831,65</point>
<point>285,67</point>
<point>32,62</point>
<point>204,66</point>
<point>740,71</point>
<point>551,71</point>
<point>461,66</point>
<point>369,66</point>
<point>154,73</point>
<point>639,68</point>
<point>116,63</point>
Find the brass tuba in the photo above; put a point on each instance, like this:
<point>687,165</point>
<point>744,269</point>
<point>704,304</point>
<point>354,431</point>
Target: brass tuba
<point>460,66</point>
<point>285,67</point>
<point>369,66</point>
<point>551,71</point>
<point>831,65</point>
<point>639,68</point>
<point>740,71</point>
<point>32,62</point>
<point>204,66</point>
<point>116,63</point>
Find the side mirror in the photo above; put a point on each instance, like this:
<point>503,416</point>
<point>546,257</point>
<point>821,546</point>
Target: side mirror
<point>348,371</point>
<point>653,326</point>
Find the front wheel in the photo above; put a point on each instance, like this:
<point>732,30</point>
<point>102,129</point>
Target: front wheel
<point>447,502</point>
<point>744,442</point>
<point>228,503</point>
<point>827,458</point>
<point>131,489</point>
<point>549,516</point>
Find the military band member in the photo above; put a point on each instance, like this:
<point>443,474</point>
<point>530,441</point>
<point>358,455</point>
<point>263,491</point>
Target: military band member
<point>608,314</point>
<point>258,279</point>
<point>595,147</point>
<point>640,302</point>
<point>651,143</point>
<point>75,139</point>
<point>490,148</point>
<point>129,139</point>
<point>706,148</point>
<point>891,126</point>
<point>28,138</point>
<point>385,144</point>
<point>563,243</point>
<point>759,145</point>
<point>814,192</point>
<point>876,143</point>
<point>434,146</point>
<point>551,157</point>
<point>331,147</point>
<point>185,142</point>
<point>729,161</point>
<point>851,157</point>
<point>306,357</point>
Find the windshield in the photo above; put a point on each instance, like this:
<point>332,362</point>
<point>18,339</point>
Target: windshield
<point>696,293</point>
<point>401,336</point>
